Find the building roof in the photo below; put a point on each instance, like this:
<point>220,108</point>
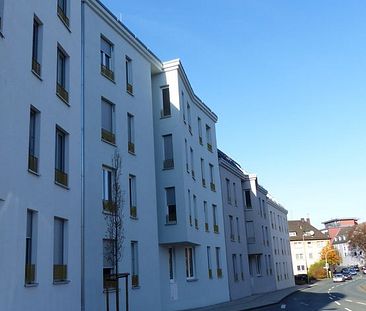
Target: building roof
<point>297,228</point>
<point>342,236</point>
<point>339,219</point>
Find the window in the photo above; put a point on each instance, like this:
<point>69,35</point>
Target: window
<point>166,112</point>
<point>271,216</point>
<point>258,264</point>
<point>59,250</point>
<point>131,133</point>
<point>106,61</point>
<point>260,206</point>
<point>108,182</point>
<point>270,265</point>
<point>189,118</point>
<point>248,201</point>
<point>218,263</point>
<point>264,209</point>
<point>199,121</point>
<point>195,211</point>
<point>228,191</point>
<point>62,11</point>
<point>205,211</point>
<point>168,152</point>
<point>33,151</point>
<point>203,172</point>
<point>61,176</point>
<point>249,226</point>
<point>30,247</point>
<point>192,162</point>
<point>186,152</point>
<point>231,223</point>
<point>266,263</point>
<point>235,267</point>
<point>129,85</point>
<point>134,264</point>
<point>62,68</point>
<point>208,138</point>
<point>214,217</point>
<point>267,236</point>
<point>171,205</point>
<point>190,264</point>
<point>190,207</point>
<point>108,266</point>
<point>241,266</point>
<point>132,195</point>
<point>209,264</point>
<point>108,122</point>
<point>1,16</point>
<point>183,107</point>
<point>171,251</point>
<point>235,199</point>
<point>36,46</point>
<point>238,228</point>
<point>263,236</point>
<point>212,180</point>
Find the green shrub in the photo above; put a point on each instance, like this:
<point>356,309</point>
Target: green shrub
<point>317,270</point>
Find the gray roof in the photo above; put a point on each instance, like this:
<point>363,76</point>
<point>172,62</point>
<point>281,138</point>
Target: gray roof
<point>302,226</point>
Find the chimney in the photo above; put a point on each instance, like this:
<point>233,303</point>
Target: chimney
<point>308,220</point>
<point>302,219</point>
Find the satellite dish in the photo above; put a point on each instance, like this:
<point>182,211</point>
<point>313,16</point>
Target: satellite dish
<point>311,232</point>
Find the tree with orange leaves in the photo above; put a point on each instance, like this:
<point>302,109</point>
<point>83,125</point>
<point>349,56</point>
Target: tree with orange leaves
<point>330,254</point>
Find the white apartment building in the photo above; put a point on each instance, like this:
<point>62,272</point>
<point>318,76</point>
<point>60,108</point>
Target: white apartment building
<point>189,208</point>
<point>306,244</point>
<point>40,157</point>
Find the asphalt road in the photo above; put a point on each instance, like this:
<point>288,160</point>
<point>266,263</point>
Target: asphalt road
<point>326,295</point>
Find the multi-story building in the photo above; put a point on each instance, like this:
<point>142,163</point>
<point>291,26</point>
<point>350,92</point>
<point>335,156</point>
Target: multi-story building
<point>189,207</point>
<point>306,244</point>
<point>333,226</point>
<point>40,158</point>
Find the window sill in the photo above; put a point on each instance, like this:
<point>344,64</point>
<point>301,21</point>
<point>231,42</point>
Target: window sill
<point>31,285</point>
<point>37,75</point>
<point>166,117</point>
<point>134,217</point>
<point>1,35</point>
<point>63,22</point>
<point>130,93</point>
<point>61,282</point>
<point>131,153</point>
<point>63,99</point>
<point>136,287</point>
<point>172,223</point>
<point>106,76</point>
<point>167,168</point>
<point>33,172</point>
<point>108,142</point>
<point>62,185</point>
<point>192,280</point>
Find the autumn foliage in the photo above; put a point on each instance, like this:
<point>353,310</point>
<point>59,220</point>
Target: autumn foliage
<point>331,254</point>
<point>357,237</point>
<point>317,270</point>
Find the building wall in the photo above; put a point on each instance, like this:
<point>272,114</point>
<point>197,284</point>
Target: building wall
<point>99,153</point>
<point>182,292</point>
<point>20,189</point>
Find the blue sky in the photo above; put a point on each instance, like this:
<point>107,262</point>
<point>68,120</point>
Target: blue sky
<point>287,79</point>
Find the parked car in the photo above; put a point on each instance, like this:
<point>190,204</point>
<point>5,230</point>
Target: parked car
<point>353,271</point>
<point>338,277</point>
<point>364,271</point>
<point>347,276</point>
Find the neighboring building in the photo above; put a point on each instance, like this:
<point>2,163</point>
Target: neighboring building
<point>249,212</point>
<point>189,206</point>
<point>332,227</point>
<point>40,159</point>
<point>306,244</point>
<point>350,256</point>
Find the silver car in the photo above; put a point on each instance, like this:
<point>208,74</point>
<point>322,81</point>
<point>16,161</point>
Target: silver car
<point>338,277</point>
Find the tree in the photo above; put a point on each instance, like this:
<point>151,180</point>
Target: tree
<point>317,271</point>
<point>357,237</point>
<point>330,255</point>
<point>114,223</point>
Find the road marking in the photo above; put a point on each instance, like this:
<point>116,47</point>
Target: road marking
<point>283,306</point>
<point>337,303</point>
<point>361,303</point>
<point>347,309</point>
<point>330,297</point>
<point>349,300</point>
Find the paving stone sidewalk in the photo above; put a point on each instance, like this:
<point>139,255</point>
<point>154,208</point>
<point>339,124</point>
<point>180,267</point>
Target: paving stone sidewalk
<point>254,301</point>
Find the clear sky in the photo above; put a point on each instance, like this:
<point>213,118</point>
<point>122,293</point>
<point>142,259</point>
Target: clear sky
<point>287,79</point>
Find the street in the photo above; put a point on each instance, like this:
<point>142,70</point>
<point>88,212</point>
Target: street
<point>326,295</point>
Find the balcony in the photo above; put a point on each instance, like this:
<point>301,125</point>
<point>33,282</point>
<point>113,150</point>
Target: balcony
<point>131,147</point>
<point>209,147</point>
<point>62,15</point>
<point>168,164</point>
<point>61,177</point>
<point>219,273</point>
<point>133,211</point>
<point>59,273</point>
<point>108,136</point>
<point>135,280</point>
<point>30,273</point>
<point>36,67</point>
<point>108,73</point>
<point>109,206</point>
<point>62,93</point>
<point>213,186</point>
<point>33,163</point>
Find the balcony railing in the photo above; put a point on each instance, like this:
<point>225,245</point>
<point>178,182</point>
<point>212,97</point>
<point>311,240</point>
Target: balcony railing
<point>216,228</point>
<point>168,164</point>
<point>131,147</point>
<point>61,91</point>
<point>219,272</point>
<point>36,67</point>
<point>108,73</point>
<point>133,211</point>
<point>213,186</point>
<point>209,147</point>
<point>30,273</point>
<point>129,88</point>
<point>108,136</point>
<point>61,177</point>
<point>135,280</point>
<point>33,163</point>
<point>59,273</point>
<point>62,15</point>
<point>109,206</point>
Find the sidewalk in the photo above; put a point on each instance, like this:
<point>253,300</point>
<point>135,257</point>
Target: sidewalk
<point>254,301</point>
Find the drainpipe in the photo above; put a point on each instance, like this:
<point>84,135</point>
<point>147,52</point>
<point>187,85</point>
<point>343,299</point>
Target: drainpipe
<point>82,173</point>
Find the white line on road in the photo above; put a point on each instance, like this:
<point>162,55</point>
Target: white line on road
<point>347,309</point>
<point>349,300</point>
<point>283,306</point>
<point>337,303</point>
<point>330,297</point>
<point>361,303</point>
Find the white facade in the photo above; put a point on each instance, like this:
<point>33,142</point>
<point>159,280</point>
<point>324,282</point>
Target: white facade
<point>32,182</point>
<point>192,254</point>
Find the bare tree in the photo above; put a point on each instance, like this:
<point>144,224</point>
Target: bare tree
<point>357,237</point>
<point>114,223</point>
